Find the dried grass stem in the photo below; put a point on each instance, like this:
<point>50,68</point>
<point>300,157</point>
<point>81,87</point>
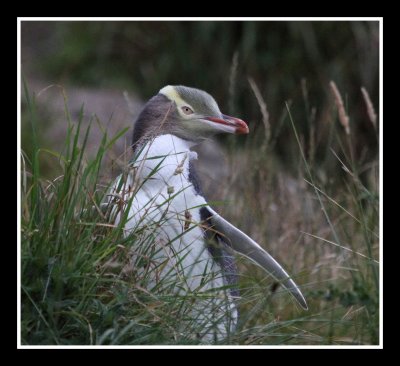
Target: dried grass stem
<point>343,117</point>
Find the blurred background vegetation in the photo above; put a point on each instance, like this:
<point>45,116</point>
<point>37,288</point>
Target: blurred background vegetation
<point>280,56</point>
<point>93,63</point>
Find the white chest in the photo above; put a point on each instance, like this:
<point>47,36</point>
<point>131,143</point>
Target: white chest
<point>163,209</point>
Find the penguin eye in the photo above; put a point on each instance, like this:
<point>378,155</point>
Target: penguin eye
<point>187,110</point>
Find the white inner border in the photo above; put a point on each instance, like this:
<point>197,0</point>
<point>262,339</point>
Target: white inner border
<point>379,19</point>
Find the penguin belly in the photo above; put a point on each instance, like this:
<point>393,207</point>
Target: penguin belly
<point>165,212</point>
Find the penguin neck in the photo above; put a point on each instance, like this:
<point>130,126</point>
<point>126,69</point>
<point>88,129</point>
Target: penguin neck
<point>165,153</point>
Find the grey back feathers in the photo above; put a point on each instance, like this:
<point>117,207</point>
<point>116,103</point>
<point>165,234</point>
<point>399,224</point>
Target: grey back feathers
<point>150,119</point>
<point>219,249</point>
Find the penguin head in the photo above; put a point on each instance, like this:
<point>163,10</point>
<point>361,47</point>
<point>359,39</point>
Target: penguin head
<point>188,113</point>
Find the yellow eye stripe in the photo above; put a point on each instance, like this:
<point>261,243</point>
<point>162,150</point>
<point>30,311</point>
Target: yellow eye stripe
<point>170,92</point>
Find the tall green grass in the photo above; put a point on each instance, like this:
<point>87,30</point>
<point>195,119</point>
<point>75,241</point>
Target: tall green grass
<point>79,284</point>
<point>83,280</point>
<point>324,227</point>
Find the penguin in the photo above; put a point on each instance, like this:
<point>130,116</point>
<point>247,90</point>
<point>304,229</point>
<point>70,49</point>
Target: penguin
<point>190,245</point>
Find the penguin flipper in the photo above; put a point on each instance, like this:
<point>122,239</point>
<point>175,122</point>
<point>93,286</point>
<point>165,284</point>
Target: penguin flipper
<point>243,244</point>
